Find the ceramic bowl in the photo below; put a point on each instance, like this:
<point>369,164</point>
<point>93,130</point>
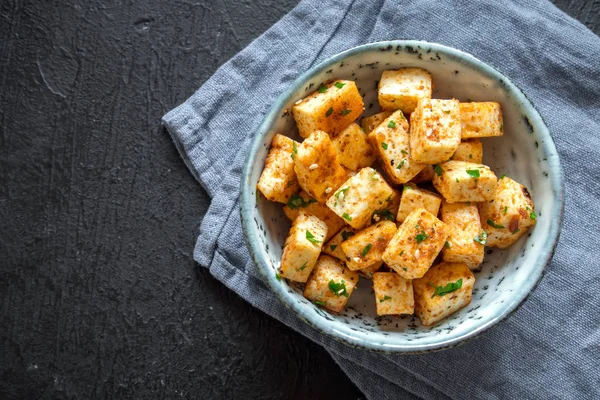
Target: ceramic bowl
<point>526,153</point>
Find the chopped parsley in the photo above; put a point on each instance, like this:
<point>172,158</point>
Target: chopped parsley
<point>406,187</point>
<point>501,125</point>
<point>339,289</point>
<point>402,252</point>
<point>494,225</point>
<point>532,215</point>
<point>447,244</point>
<point>319,303</point>
<point>447,111</point>
<point>294,151</point>
<point>322,89</point>
<point>366,249</point>
<point>473,172</point>
<point>505,210</point>
<point>401,164</point>
<point>503,175</point>
<point>339,85</point>
<point>482,238</point>
<point>347,217</point>
<point>297,201</point>
<point>385,298</point>
<point>302,267</point>
<point>457,180</point>
<point>392,124</point>
<point>449,288</point>
<point>332,246</point>
<point>404,269</point>
<point>343,191</point>
<point>438,170</point>
<point>329,112</point>
<point>385,214</point>
<point>346,235</point>
<point>311,238</point>
<point>404,152</point>
<point>384,145</point>
<point>278,277</point>
<point>389,199</point>
<point>345,111</point>
<point>421,236</point>
<point>516,231</point>
<point>470,155</point>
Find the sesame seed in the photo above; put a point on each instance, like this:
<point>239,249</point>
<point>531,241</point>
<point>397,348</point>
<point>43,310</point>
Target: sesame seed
<point>314,166</point>
<point>328,190</point>
<point>376,217</point>
<point>298,102</point>
<point>417,253</point>
<point>356,259</point>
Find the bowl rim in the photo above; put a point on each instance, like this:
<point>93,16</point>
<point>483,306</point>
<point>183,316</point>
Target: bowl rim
<point>359,339</point>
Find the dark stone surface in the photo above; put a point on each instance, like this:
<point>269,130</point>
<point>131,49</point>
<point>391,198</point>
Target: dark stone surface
<point>100,295</point>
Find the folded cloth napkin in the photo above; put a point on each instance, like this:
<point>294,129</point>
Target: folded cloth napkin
<point>550,348</point>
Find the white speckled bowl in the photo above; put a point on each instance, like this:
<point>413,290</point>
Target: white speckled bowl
<point>526,153</point>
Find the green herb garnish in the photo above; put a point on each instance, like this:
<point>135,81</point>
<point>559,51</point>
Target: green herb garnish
<point>392,124</point>
<point>516,231</point>
<point>501,127</point>
<point>329,112</point>
<point>502,177</point>
<point>339,289</point>
<point>505,210</point>
<point>319,303</point>
<point>402,252</point>
<point>482,238</point>
<point>347,217</point>
<point>322,89</point>
<point>294,151</point>
<point>438,170</point>
<point>332,246</point>
<point>366,249</point>
<point>345,111</point>
<point>494,225</point>
<point>297,201</point>
<point>473,172</point>
<point>385,298</point>
<point>447,244</point>
<point>278,277</point>
<point>385,214</point>
<point>404,152</point>
<point>447,111</point>
<point>401,164</point>
<point>384,145</point>
<point>339,85</point>
<point>302,267</point>
<point>449,288</point>
<point>404,269</point>
<point>421,236</point>
<point>311,238</point>
<point>343,191</point>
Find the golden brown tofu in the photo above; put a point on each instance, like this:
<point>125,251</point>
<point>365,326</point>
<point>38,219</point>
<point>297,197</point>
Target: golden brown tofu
<point>373,121</point>
<point>481,120</point>
<point>461,181</point>
<point>331,284</point>
<point>302,201</point>
<point>353,148</point>
<point>401,89</point>
<point>434,130</point>
<point>509,215</point>
<point>278,179</point>
<point>317,167</point>
<point>426,175</point>
<point>333,247</point>
<point>391,142</point>
<point>416,244</point>
<point>470,150</point>
<point>359,197</point>
<point>413,198</point>
<point>463,224</point>
<point>302,247</point>
<point>442,291</point>
<point>366,246</point>
<point>331,108</point>
<point>393,294</point>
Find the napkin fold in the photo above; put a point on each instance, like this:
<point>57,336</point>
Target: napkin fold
<point>550,347</point>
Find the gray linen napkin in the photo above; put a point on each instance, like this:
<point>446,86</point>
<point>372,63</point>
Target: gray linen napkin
<point>550,348</point>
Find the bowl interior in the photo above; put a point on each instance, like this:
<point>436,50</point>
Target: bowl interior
<point>525,153</point>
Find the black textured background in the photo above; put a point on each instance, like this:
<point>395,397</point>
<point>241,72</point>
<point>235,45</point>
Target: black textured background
<point>98,214</point>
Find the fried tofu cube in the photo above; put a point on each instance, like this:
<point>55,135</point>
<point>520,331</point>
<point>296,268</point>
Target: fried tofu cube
<point>366,246</point>
<point>509,215</point>
<point>462,220</point>
<point>353,148</point>
<point>470,150</point>
<point>461,181</point>
<point>278,180</point>
<point>392,143</point>
<point>317,166</point>
<point>402,89</point>
<point>393,294</point>
<point>331,108</point>
<point>302,201</point>
<point>359,197</point>
<point>388,210</point>
<point>371,122</point>
<point>426,175</point>
<point>370,270</point>
<point>333,246</point>
<point>414,197</point>
<point>302,247</point>
<point>331,284</point>
<point>442,291</point>
<point>481,120</point>
<point>434,130</point>
<point>416,244</point>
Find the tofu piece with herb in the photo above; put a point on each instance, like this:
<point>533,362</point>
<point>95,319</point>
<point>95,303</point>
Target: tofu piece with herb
<point>333,246</point>
<point>278,180</point>
<point>331,108</point>
<point>470,150</point>
<point>481,119</point>
<point>388,210</point>
<point>317,167</point>
<point>302,201</point>
<point>360,196</point>
<point>393,294</point>
<point>461,181</point>
<point>353,148</point>
<point>366,246</point>
<point>402,89</point>
<point>392,143</point>
<point>331,284</point>
<point>416,244</point>
<point>443,290</point>
<point>371,122</point>
<point>302,247</point>
<point>509,215</point>
<point>434,130</point>
<point>426,175</point>
<point>370,270</point>
<point>414,197</point>
<point>462,220</point>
